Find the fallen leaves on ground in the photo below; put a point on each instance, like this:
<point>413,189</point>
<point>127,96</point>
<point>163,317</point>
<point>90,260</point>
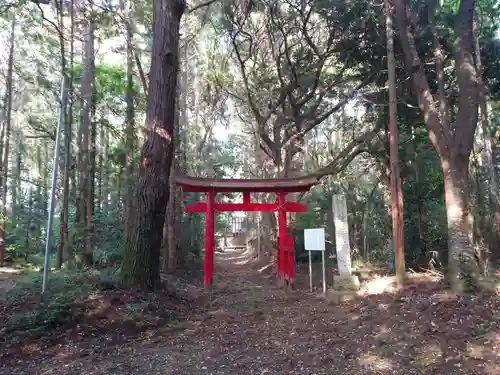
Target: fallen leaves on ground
<point>248,325</point>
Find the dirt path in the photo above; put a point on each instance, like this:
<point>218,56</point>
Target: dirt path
<point>8,276</point>
<point>250,326</point>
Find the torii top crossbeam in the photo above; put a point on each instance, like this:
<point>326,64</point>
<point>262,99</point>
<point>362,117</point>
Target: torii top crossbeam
<point>228,185</point>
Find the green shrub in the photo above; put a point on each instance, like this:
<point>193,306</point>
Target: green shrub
<point>53,315</point>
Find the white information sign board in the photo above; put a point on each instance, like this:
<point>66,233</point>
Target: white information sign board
<point>314,240</point>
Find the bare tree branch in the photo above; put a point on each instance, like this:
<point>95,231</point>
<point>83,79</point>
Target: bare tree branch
<point>366,142</point>
<point>202,5</point>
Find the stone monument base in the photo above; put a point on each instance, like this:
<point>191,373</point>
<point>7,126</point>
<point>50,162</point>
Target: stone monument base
<point>346,283</point>
<point>344,289</point>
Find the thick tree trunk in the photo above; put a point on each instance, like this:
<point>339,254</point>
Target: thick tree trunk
<point>141,262</point>
<point>423,257</point>
<point>494,204</point>
<point>64,249</point>
<point>461,260</point>
<point>15,182</point>
<point>104,171</point>
<point>5,140</point>
<point>453,141</point>
<point>130,123</point>
<point>169,243</point>
<point>169,235</point>
<point>494,153</point>
<point>90,240</point>
<point>85,166</point>
<point>174,222</point>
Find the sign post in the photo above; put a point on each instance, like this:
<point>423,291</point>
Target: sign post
<point>314,240</point>
<point>310,271</point>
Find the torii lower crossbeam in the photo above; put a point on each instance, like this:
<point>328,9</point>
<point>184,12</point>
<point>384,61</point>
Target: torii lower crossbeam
<point>285,259</point>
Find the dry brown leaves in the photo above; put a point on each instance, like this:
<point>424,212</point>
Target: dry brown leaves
<point>249,326</point>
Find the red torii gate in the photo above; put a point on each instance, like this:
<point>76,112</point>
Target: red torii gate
<point>283,186</point>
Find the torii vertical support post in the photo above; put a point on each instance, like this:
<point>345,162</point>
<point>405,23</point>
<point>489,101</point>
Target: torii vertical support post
<point>208,266</point>
<point>291,260</point>
<point>282,237</point>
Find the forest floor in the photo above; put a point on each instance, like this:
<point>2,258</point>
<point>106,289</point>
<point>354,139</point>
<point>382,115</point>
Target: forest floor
<point>248,325</point>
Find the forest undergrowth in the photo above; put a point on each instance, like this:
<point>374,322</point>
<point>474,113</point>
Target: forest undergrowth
<point>246,325</point>
<point>84,309</point>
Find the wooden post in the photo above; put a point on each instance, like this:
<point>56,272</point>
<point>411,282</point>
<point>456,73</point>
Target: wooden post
<point>278,258</point>
<point>290,261</point>
<point>246,198</point>
<point>246,202</point>
<point>209,240</point>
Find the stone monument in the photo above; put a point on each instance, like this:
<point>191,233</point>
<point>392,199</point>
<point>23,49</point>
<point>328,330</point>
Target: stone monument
<point>345,280</point>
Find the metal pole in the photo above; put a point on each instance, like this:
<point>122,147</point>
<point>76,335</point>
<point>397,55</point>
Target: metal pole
<point>258,234</point>
<point>310,271</point>
<point>48,239</point>
<point>324,270</point>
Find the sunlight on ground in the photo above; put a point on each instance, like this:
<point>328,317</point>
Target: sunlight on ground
<point>236,256</point>
<point>476,351</point>
<point>429,355</point>
<point>236,259</point>
<point>7,279</point>
<point>246,261</point>
<point>378,285</point>
<point>10,270</point>
<point>444,296</point>
<point>266,267</point>
<point>375,362</point>
<point>387,284</point>
<point>383,331</point>
<point>492,369</point>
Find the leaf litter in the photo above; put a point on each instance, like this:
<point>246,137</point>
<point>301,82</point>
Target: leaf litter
<point>248,325</point>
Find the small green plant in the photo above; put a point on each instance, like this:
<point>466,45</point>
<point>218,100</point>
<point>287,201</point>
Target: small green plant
<point>65,303</point>
<point>55,314</point>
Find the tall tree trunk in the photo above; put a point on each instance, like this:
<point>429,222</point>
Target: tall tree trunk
<point>46,174</point>
<point>104,171</point>
<point>396,189</point>
<point>456,187</point>
<point>5,140</point>
<point>64,249</point>
<point>85,168</point>
<point>130,124</point>
<point>14,187</point>
<point>494,204</point>
<point>479,211</point>
<point>453,142</point>
<point>169,235</point>
<point>29,219</point>
<point>494,153</point>
<point>93,156</point>
<point>172,242</point>
<point>141,262</point>
<point>39,201</point>
<point>90,240</point>
<point>423,259</point>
